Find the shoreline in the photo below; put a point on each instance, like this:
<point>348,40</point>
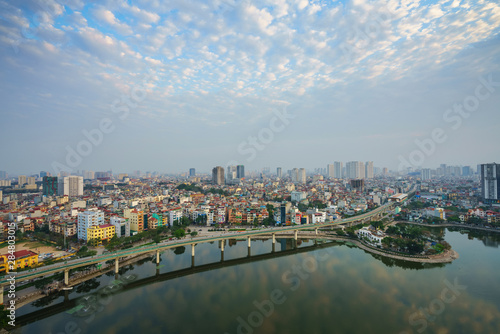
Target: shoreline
<point>448,225</point>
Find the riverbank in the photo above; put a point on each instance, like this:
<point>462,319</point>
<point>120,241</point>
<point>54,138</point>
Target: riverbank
<point>445,257</point>
<point>464,226</point>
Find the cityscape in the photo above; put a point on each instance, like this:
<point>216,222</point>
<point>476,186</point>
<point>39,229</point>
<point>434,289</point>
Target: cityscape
<point>270,166</point>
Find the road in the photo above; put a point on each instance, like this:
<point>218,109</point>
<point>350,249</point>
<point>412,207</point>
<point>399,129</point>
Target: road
<point>166,244</point>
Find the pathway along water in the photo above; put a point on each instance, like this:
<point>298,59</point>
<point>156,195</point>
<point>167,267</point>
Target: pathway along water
<point>340,289</point>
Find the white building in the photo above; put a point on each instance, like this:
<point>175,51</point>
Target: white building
<point>369,170</point>
<point>91,217</point>
<point>122,226</point>
<point>375,237</point>
<point>174,215</point>
<point>70,186</point>
<point>297,196</point>
<point>338,166</point>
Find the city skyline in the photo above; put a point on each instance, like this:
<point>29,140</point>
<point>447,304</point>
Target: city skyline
<point>263,81</point>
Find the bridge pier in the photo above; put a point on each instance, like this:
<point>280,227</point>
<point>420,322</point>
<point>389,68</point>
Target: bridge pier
<point>316,230</point>
<point>1,295</point>
<point>66,277</point>
<point>157,257</point>
<point>222,242</point>
<point>274,248</point>
<point>192,255</point>
<point>117,266</point>
<point>249,247</point>
<point>66,295</point>
<point>296,232</point>
<point>274,238</point>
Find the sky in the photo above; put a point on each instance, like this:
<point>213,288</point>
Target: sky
<point>169,85</point>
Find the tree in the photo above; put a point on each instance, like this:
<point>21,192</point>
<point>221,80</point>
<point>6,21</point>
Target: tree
<point>179,233</point>
<point>193,234</point>
<point>3,317</point>
<point>157,238</point>
<point>256,221</point>
<point>387,242</point>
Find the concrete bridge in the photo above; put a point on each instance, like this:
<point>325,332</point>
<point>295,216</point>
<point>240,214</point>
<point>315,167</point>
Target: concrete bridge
<point>66,266</point>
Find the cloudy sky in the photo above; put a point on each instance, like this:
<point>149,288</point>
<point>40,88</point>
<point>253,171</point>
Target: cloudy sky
<point>169,85</point>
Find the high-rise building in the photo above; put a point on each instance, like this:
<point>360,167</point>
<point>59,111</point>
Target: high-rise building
<point>240,171</point>
<point>86,220</point>
<point>231,174</point>
<point>338,167</point>
<point>3,174</point>
<point>21,180</point>
<point>279,172</point>
<point>49,185</point>
<point>369,170</point>
<point>70,186</point>
<point>330,170</point>
<point>295,175</point>
<point>466,171</point>
<point>43,173</point>
<point>490,182</point>
<point>425,174</point>
<point>302,175</point>
<point>385,171</point>
<point>355,170</point>
<point>88,175</point>
<point>192,172</point>
<point>358,184</point>
<point>218,175</point>
<point>31,180</point>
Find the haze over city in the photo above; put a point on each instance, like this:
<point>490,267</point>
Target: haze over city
<point>188,84</point>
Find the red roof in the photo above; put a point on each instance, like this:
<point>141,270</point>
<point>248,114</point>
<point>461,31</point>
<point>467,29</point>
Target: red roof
<point>24,253</point>
<point>105,225</point>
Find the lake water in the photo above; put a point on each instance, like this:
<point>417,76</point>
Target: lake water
<point>334,288</point>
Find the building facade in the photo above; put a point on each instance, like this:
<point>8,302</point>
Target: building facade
<point>490,182</point>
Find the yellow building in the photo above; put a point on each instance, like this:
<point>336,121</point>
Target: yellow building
<point>22,259</point>
<point>136,219</point>
<point>100,233</point>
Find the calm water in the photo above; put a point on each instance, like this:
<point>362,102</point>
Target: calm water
<point>334,289</point>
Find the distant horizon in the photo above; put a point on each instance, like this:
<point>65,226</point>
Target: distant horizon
<point>272,170</point>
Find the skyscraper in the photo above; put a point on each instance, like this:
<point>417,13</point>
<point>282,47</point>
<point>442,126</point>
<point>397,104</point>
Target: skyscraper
<point>302,175</point>
<point>21,180</point>
<point>330,170</point>
<point>337,167</point>
<point>49,185</point>
<point>279,172</point>
<point>490,182</point>
<point>240,171</point>
<point>355,170</point>
<point>425,174</point>
<point>218,175</point>
<point>369,170</point>
<point>192,172</point>
<point>70,186</point>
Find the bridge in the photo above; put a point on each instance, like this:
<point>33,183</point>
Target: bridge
<point>125,284</point>
<point>65,267</point>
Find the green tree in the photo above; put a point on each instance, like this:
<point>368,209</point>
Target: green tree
<point>3,317</point>
<point>179,233</point>
<point>193,234</point>
<point>157,238</point>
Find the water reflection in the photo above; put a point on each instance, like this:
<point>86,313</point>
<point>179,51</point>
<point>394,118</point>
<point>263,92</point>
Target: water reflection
<point>331,288</point>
